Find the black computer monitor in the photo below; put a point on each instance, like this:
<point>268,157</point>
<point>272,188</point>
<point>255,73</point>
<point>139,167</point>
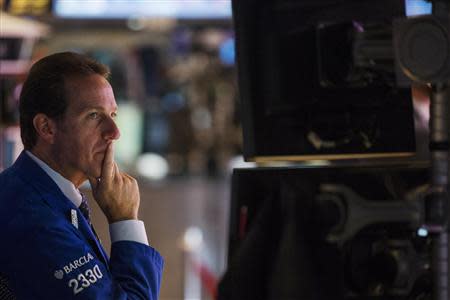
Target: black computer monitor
<point>318,80</point>
<point>281,243</point>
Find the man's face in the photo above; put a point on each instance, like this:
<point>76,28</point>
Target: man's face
<point>87,128</point>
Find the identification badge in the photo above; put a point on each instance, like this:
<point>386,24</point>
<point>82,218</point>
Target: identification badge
<point>74,218</point>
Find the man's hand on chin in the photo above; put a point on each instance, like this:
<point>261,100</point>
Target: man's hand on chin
<point>116,192</point>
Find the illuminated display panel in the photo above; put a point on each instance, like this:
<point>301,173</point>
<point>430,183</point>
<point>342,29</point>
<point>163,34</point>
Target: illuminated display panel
<point>120,9</point>
<point>418,7</point>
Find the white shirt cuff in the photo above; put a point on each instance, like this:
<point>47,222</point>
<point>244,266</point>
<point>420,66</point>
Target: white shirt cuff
<point>128,230</point>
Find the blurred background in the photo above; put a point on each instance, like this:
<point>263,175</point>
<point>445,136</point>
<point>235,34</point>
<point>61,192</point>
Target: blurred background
<point>173,74</point>
<point>174,77</point>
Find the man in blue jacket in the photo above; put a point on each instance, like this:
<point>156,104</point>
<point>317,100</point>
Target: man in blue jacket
<point>48,247</point>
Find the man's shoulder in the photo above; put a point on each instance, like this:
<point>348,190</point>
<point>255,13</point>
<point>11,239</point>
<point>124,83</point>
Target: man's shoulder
<point>13,188</point>
<point>23,181</point>
<point>12,177</point>
<point>8,173</point>
<point>20,203</point>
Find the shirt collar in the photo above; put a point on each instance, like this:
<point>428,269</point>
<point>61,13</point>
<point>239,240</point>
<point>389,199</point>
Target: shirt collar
<point>66,186</point>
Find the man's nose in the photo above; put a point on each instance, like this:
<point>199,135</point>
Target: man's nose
<point>111,131</point>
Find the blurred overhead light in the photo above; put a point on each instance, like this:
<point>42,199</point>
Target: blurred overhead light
<point>152,166</point>
<point>122,9</point>
<point>192,239</point>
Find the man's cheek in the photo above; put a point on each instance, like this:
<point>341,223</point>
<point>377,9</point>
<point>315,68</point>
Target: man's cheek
<point>94,164</point>
<point>99,161</point>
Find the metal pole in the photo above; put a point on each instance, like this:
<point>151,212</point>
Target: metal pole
<point>437,202</point>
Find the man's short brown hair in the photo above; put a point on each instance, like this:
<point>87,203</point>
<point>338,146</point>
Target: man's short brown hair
<point>44,89</point>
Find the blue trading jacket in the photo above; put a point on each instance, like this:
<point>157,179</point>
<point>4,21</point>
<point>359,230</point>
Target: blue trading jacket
<point>46,257</point>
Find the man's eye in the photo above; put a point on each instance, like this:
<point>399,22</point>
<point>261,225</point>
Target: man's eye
<point>114,115</point>
<point>93,115</point>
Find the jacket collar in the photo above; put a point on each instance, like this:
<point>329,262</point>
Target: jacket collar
<point>36,177</point>
<point>65,185</point>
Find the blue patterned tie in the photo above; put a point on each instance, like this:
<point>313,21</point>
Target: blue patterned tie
<point>84,208</point>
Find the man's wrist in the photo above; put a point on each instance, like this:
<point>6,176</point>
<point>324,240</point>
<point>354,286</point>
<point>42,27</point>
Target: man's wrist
<point>117,215</point>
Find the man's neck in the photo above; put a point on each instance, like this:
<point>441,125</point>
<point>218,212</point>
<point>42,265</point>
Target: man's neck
<point>53,162</point>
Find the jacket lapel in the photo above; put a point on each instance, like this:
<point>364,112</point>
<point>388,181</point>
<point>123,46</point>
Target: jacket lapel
<point>91,238</point>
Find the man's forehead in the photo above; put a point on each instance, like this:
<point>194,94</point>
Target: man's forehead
<point>90,92</point>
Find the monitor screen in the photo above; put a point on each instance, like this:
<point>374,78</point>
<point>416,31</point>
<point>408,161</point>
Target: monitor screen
<point>317,80</point>
<point>418,7</point>
<point>122,9</point>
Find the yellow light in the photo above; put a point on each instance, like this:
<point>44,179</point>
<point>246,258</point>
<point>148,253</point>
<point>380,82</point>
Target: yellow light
<point>34,7</point>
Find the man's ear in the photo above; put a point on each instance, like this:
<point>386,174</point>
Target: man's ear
<point>45,127</point>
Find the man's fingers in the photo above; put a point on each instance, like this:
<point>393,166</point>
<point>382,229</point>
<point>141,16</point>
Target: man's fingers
<point>108,163</point>
<point>116,171</point>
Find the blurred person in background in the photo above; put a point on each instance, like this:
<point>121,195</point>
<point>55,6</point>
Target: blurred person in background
<point>49,247</point>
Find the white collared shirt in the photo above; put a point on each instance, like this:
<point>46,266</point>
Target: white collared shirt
<point>128,230</point>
